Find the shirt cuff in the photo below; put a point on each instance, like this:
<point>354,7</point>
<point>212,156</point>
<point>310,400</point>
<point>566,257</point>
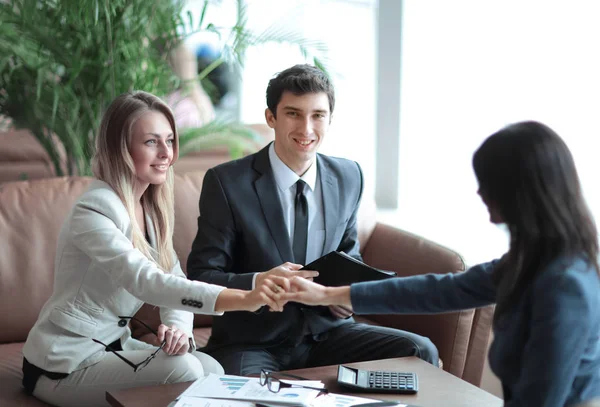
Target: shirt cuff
<point>254,281</point>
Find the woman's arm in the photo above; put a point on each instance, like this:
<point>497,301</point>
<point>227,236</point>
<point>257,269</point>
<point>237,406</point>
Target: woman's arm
<point>430,293</point>
<point>94,230</point>
<point>265,293</point>
<point>426,294</point>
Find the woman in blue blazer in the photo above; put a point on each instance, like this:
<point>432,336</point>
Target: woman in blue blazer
<point>115,252</point>
<point>546,348</point>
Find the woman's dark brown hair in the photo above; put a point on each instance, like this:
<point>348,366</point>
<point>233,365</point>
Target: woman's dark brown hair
<point>527,173</point>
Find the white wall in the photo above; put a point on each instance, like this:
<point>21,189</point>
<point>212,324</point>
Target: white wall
<point>471,67</point>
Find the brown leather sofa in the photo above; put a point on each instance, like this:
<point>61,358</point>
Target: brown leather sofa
<point>31,213</point>
<point>22,157</point>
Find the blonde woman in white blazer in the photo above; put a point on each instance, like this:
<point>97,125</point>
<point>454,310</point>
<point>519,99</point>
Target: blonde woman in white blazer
<point>114,254</point>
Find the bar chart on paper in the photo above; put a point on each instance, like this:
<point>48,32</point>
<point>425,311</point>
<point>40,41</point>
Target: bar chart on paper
<point>343,401</point>
<point>233,384</point>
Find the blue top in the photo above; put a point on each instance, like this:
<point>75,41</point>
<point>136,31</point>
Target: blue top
<point>546,348</point>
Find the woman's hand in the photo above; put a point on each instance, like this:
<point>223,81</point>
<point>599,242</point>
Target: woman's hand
<point>310,293</point>
<point>265,293</point>
<point>177,341</point>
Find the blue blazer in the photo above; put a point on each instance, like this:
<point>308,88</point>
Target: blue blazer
<point>546,348</point>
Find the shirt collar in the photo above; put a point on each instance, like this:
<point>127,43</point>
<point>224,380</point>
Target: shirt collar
<point>285,177</point>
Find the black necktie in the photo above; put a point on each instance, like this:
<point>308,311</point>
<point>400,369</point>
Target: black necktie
<point>300,224</point>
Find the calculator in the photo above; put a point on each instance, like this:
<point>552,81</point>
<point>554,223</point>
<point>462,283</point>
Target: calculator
<point>377,381</point>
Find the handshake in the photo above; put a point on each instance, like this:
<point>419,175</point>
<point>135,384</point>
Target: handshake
<point>287,282</point>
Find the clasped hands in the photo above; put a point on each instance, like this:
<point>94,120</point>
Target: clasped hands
<point>287,282</point>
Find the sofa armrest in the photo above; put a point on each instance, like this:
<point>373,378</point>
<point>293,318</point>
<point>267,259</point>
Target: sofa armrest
<point>389,248</point>
<point>407,254</point>
<point>479,345</point>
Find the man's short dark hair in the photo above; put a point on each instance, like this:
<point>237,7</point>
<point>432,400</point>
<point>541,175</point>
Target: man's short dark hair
<point>299,79</point>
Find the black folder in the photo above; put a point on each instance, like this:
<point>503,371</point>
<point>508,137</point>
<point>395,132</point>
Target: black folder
<point>337,269</point>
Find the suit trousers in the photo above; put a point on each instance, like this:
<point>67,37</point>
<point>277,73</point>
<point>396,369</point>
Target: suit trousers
<point>88,387</point>
<point>353,342</point>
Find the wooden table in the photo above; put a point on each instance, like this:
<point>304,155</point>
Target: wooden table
<point>436,387</point>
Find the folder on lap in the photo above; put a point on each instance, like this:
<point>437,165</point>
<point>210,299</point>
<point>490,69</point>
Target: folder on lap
<point>337,269</point>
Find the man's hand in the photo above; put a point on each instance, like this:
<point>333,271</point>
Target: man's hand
<point>177,341</point>
<point>287,270</point>
<point>340,311</point>
<point>267,292</point>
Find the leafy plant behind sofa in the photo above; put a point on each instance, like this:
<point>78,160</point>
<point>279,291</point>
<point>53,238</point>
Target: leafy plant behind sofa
<point>63,61</point>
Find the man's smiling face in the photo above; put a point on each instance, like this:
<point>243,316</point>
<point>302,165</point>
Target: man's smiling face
<point>300,126</point>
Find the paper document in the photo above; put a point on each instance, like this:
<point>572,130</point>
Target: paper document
<point>337,400</point>
<point>186,401</point>
<point>249,389</point>
<point>324,400</point>
<point>342,400</point>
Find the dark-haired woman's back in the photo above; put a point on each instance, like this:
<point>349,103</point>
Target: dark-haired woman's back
<point>546,349</point>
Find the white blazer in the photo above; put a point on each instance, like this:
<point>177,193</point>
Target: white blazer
<point>98,276</point>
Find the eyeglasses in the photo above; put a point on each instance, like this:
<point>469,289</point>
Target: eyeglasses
<point>274,384</point>
<point>136,366</point>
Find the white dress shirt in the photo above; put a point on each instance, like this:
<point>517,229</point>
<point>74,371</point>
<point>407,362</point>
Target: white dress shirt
<point>286,180</point>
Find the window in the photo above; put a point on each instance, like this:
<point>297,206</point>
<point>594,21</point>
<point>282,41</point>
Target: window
<point>470,67</point>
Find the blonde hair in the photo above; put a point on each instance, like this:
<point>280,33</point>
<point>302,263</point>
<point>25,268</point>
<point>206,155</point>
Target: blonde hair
<point>113,164</point>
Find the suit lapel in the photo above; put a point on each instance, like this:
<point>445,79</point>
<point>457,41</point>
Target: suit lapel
<point>331,203</point>
<point>266,190</point>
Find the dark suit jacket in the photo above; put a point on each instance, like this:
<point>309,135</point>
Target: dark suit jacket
<point>241,231</point>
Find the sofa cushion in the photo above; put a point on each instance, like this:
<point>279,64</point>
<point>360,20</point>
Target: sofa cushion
<point>31,215</point>
<point>21,145</point>
<point>23,157</point>
<point>187,196</point>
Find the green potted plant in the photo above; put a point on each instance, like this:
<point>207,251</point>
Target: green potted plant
<point>63,61</point>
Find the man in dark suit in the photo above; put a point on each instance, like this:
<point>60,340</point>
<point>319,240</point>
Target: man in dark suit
<point>270,213</point>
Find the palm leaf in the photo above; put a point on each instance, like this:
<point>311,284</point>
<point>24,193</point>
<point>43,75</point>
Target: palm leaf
<point>63,61</point>
<point>219,133</point>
